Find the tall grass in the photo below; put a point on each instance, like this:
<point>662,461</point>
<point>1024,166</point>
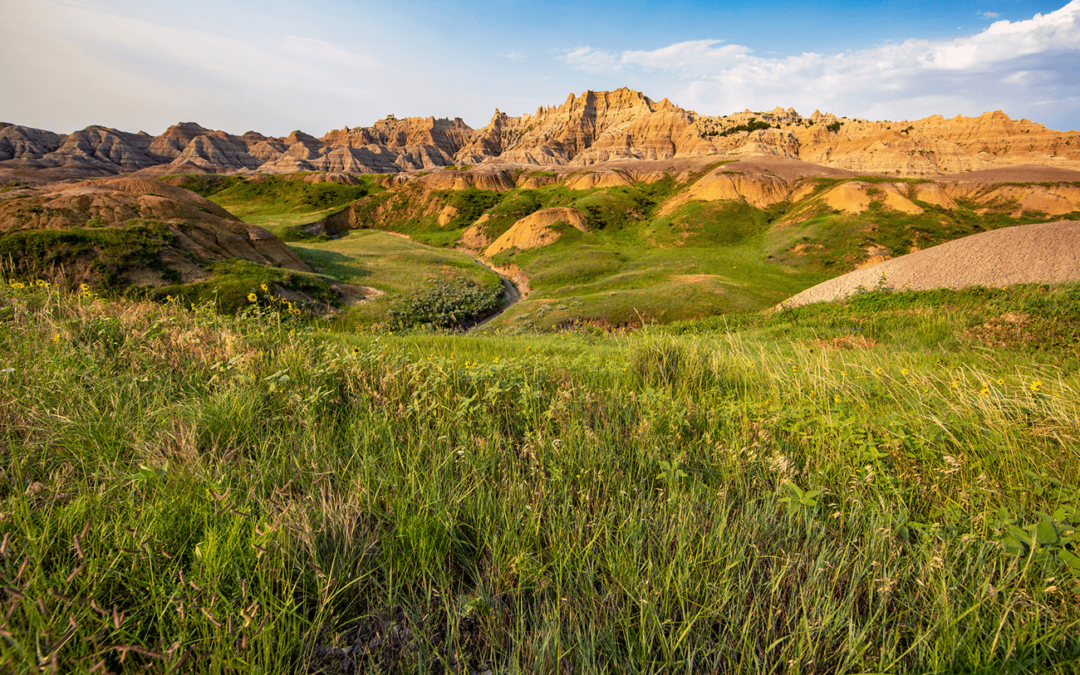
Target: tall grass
<point>191,492</point>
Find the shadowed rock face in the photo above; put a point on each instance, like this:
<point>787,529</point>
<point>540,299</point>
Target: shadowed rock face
<point>590,129</point>
<point>202,232</point>
<point>25,143</point>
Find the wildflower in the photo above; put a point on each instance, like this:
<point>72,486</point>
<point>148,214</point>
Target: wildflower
<point>1001,382</point>
<point>984,391</point>
<point>1036,385</point>
<point>84,287</point>
<point>56,338</point>
<point>879,371</point>
<point>904,372</point>
<point>355,350</point>
<point>955,384</point>
<point>263,286</point>
<point>251,297</point>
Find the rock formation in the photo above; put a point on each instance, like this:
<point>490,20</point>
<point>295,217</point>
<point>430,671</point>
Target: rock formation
<point>201,232</point>
<point>593,129</point>
<point>536,229</point>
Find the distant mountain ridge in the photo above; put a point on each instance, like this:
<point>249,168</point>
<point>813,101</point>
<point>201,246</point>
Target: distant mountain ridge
<point>593,128</point>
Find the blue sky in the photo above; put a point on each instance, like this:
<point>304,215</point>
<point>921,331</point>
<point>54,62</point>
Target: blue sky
<point>275,66</point>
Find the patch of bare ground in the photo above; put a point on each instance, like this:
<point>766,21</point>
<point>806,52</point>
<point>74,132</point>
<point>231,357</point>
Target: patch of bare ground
<point>351,294</point>
<point>847,342</point>
<point>1024,173</point>
<point>788,168</point>
<point>390,645</point>
<point>1008,330</point>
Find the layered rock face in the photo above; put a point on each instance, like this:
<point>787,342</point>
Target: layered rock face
<point>587,130</point>
<point>24,143</point>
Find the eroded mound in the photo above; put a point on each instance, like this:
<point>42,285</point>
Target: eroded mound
<point>1041,253</point>
<point>130,231</point>
<point>537,230</point>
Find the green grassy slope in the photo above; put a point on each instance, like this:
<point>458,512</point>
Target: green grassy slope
<point>402,270</point>
<point>282,203</point>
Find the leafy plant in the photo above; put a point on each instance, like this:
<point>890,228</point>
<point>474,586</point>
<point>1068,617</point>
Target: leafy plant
<point>798,500</point>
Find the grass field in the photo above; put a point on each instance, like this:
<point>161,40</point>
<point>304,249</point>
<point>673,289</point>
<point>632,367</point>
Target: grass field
<point>280,203</point>
<point>399,268</point>
<point>887,485</point>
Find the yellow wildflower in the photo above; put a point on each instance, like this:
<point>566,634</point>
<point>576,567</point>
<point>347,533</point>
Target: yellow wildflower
<point>1001,382</point>
<point>84,287</point>
<point>904,372</point>
<point>984,391</point>
<point>263,286</point>
<point>56,338</point>
<point>1036,385</point>
<point>251,297</point>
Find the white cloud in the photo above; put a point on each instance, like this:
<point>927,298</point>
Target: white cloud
<point>686,56</point>
<point>592,60</point>
<point>991,15</point>
<point>901,78</point>
<point>104,68</point>
<point>692,56</point>
<point>514,56</point>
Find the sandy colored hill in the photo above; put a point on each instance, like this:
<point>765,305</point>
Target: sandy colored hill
<point>202,231</point>
<point>1039,253</point>
<point>536,230</point>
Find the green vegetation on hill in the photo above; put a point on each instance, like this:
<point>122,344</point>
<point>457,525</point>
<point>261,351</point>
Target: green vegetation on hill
<point>698,260</point>
<point>411,276</point>
<point>100,255</point>
<point>280,203</point>
<point>824,491</point>
<point>230,284</point>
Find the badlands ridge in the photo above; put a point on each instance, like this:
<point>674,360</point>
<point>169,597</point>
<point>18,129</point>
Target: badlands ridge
<point>590,129</point>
